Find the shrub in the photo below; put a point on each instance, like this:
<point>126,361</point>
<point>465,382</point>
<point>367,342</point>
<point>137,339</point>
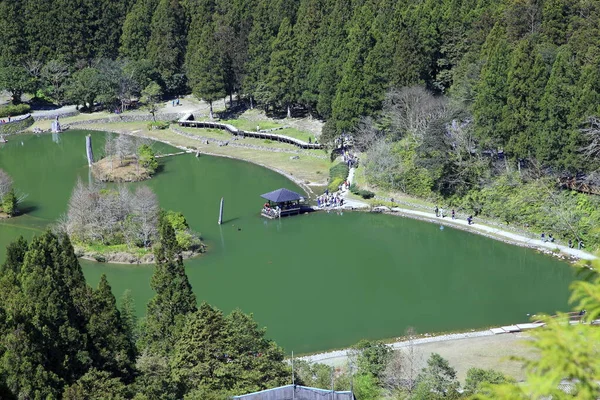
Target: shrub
<point>14,110</point>
<point>158,125</point>
<point>335,184</point>
<point>366,194</point>
<point>340,170</point>
<point>147,158</point>
<point>16,127</point>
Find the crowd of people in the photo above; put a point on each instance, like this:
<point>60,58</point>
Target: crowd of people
<point>441,213</point>
<point>330,200</point>
<point>271,211</point>
<point>350,159</point>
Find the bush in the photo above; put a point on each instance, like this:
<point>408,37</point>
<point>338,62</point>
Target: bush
<point>340,170</point>
<point>158,125</point>
<point>147,158</point>
<point>365,194</point>
<point>335,184</point>
<point>14,110</point>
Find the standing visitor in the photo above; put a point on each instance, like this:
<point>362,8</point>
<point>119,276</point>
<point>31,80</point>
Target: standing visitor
<point>437,211</point>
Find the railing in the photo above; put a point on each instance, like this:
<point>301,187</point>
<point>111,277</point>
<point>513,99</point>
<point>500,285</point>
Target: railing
<point>571,183</point>
<point>186,121</point>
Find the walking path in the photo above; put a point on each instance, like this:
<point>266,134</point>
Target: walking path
<point>477,228</point>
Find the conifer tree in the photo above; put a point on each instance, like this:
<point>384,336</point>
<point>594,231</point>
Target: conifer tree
<point>167,43</point>
<point>557,142</point>
<point>174,298</point>
<point>491,89</point>
<point>527,76</point>
<point>136,30</point>
<point>351,98</point>
<point>205,71</point>
<point>13,46</point>
<point>113,352</point>
<point>260,39</point>
<point>280,79</point>
<point>331,55</point>
<point>310,18</point>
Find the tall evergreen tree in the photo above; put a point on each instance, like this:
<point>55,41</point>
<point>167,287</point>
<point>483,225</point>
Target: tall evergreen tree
<point>174,298</point>
<point>13,46</point>
<point>205,71</point>
<point>167,43</point>
<point>351,99</point>
<point>280,79</point>
<point>492,86</point>
<point>136,30</point>
<point>260,40</point>
<point>558,142</point>
<point>527,78</point>
<point>113,352</point>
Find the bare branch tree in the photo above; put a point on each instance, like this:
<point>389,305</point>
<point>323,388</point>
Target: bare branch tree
<point>412,109</point>
<point>591,134</point>
<point>404,366</point>
<point>6,183</point>
<point>145,215</point>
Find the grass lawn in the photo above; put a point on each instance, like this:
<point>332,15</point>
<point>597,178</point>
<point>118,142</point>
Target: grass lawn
<point>306,168</point>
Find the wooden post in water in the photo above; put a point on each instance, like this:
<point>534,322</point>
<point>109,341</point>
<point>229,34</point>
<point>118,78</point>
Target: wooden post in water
<point>221,212</point>
<point>88,149</point>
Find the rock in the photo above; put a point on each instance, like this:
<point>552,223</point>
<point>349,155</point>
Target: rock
<point>294,157</point>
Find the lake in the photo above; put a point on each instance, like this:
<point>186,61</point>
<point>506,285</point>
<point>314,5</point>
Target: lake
<point>318,281</point>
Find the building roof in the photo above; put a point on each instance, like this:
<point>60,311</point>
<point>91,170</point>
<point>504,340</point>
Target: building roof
<point>281,196</point>
<point>297,392</point>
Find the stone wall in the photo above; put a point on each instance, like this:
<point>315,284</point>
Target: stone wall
<point>49,116</point>
<point>131,118</point>
<point>13,127</point>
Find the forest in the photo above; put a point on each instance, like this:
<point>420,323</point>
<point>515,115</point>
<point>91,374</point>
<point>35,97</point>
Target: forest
<point>454,100</point>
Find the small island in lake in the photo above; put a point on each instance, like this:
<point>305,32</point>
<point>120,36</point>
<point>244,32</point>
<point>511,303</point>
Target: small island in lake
<point>126,159</point>
<point>120,226</point>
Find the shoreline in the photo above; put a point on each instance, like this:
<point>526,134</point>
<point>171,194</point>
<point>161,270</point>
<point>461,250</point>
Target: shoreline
<point>570,255</point>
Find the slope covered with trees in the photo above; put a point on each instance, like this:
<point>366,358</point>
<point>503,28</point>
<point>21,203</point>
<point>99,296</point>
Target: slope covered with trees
<point>60,338</point>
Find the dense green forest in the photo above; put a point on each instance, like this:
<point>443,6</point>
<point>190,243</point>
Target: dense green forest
<point>457,100</point>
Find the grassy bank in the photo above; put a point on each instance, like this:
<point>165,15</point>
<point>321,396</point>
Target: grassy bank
<point>310,166</point>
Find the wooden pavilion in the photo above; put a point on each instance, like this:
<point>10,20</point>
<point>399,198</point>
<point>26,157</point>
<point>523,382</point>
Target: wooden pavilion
<point>281,203</point>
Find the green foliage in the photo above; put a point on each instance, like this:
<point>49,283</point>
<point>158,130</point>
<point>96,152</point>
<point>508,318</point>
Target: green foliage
<point>372,358</point>
<point>366,388</point>
<point>339,170</point>
<point>16,127</point>
<point>147,158</point>
<point>365,194</point>
<point>14,110</point>
<point>437,380</point>
<point>566,353</point>
<point>478,378</point>
<point>159,125</point>
<point>16,81</point>
<point>218,353</point>
<point>9,203</point>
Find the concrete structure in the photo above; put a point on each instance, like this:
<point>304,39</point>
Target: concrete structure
<point>295,392</point>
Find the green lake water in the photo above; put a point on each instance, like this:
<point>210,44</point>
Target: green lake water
<point>316,281</point>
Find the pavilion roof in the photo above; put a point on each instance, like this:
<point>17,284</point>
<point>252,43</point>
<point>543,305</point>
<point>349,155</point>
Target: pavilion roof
<point>281,195</point>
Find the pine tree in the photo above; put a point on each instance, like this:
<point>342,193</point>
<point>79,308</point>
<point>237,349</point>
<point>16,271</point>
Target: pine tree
<point>260,39</point>
<point>586,100</point>
<point>136,30</point>
<point>331,55</point>
<point>112,350</point>
<point>491,90</point>
<point>351,98</point>
<point>174,298</point>
<point>527,78</point>
<point>310,18</point>
<point>280,79</point>
<point>557,141</point>
<point>13,46</point>
<point>205,71</point>
<point>167,43</point>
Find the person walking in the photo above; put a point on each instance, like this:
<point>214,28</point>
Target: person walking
<point>453,214</point>
<point>437,211</point>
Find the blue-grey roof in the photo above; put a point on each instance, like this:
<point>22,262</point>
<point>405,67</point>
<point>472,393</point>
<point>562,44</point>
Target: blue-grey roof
<point>297,392</point>
<point>281,195</point>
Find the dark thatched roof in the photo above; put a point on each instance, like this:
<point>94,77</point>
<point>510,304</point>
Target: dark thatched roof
<point>281,196</point>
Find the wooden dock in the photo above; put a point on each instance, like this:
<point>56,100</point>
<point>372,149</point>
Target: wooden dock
<point>189,122</point>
